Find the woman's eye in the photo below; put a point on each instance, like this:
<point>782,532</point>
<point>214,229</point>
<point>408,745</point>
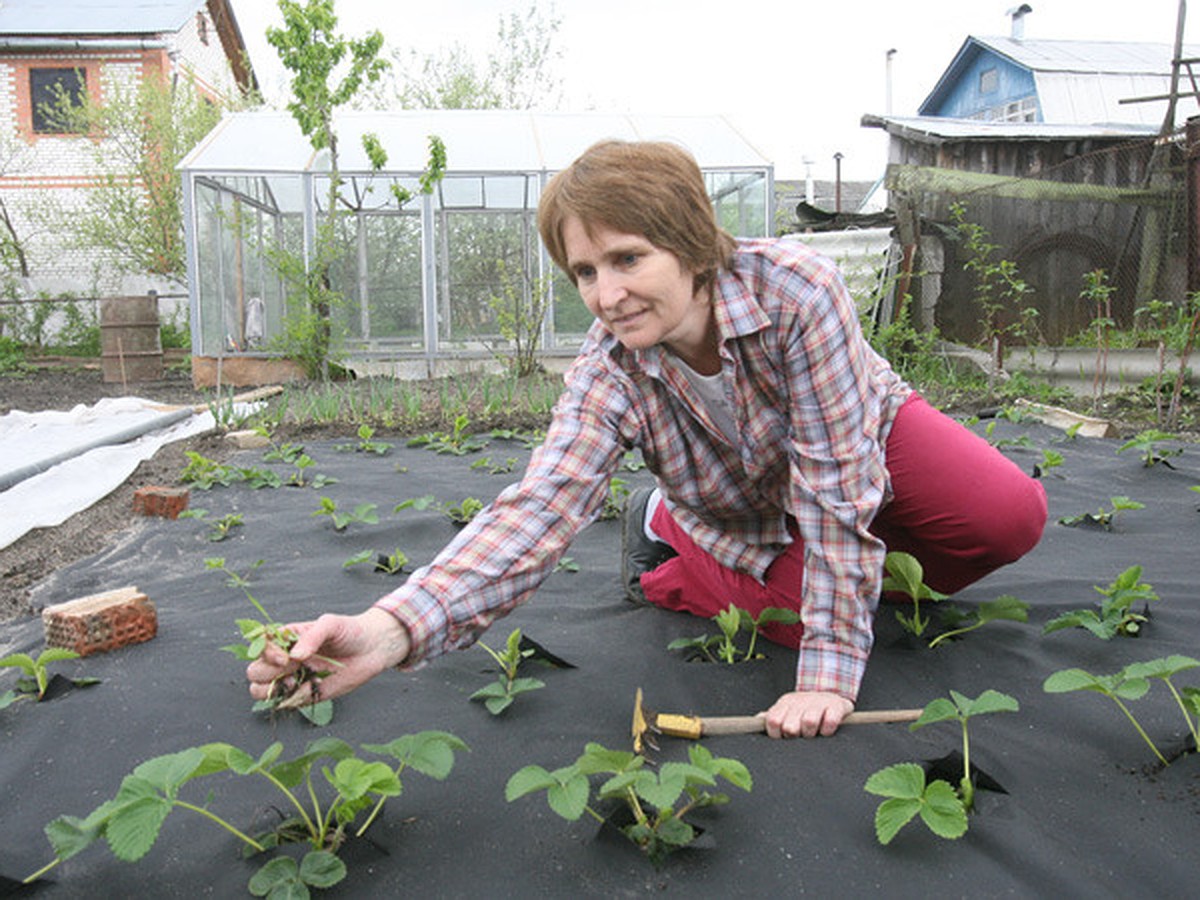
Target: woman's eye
<point>629,259</point>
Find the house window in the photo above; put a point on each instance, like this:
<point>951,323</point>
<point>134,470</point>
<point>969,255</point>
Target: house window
<point>989,80</point>
<point>202,28</point>
<point>49,90</point>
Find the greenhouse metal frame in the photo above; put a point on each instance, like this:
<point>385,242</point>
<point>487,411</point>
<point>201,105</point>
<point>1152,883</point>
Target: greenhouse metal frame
<point>419,280</point>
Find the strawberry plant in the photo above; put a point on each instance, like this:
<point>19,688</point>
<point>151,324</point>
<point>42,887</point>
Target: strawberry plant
<point>1004,608</point>
<point>366,442</point>
<point>731,621</point>
<point>1115,615</point>
<point>905,786</point>
<point>1132,683</point>
<point>388,563</point>
<point>1104,517</point>
<point>499,695</point>
<point>131,821</point>
<point>257,634</point>
<point>906,575</point>
<point>459,514</point>
<point>907,795</point>
<point>656,802</point>
<point>1147,443</point>
<point>457,442</point>
<point>486,464</point>
<point>364,514</point>
<point>36,674</point>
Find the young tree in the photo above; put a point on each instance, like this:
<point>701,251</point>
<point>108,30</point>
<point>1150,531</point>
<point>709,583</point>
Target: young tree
<point>328,71</point>
<point>136,211</point>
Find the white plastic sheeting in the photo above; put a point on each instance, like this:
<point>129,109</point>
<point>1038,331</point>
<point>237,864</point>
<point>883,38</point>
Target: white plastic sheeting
<point>51,497</point>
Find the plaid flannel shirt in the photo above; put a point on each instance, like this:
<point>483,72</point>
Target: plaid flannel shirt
<point>813,404</point>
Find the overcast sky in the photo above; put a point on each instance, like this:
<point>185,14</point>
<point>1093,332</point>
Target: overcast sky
<point>794,76</point>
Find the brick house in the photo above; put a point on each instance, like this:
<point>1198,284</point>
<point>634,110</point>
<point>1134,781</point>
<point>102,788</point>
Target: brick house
<point>103,48</point>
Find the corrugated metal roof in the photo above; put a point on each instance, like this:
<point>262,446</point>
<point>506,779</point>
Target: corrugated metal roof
<point>1108,57</point>
<point>261,141</point>
<point>47,18</point>
<point>1080,97</point>
<point>938,129</point>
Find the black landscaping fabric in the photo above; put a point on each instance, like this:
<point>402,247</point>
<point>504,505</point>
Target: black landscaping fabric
<point>1084,810</point>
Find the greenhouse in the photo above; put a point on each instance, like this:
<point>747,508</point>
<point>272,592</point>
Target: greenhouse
<point>418,280</point>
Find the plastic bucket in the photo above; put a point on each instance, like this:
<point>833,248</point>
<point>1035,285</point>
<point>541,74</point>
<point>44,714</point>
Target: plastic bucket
<point>130,339</point>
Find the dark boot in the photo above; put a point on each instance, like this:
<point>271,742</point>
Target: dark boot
<point>639,554</point>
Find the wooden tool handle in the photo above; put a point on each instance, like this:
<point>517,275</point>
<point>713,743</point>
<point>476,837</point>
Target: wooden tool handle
<point>756,724</point>
<point>875,716</point>
<point>734,724</point>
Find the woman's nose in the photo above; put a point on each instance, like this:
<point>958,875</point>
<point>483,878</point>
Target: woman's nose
<point>610,288</point>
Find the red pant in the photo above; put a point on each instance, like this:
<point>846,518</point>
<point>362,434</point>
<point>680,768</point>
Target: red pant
<point>959,506</point>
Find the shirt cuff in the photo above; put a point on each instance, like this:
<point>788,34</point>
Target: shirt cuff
<point>834,668</point>
<point>424,617</point>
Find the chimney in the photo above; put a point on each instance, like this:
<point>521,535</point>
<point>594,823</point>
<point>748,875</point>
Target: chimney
<point>1018,14</point>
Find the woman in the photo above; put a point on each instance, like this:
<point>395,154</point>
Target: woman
<point>789,456</point>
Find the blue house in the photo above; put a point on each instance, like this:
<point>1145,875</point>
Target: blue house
<point>1011,79</point>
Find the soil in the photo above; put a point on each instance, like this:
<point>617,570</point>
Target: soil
<point>33,557</point>
<point>59,384</point>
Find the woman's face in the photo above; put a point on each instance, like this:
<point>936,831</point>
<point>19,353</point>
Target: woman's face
<point>641,293</point>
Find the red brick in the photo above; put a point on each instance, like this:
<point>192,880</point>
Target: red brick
<point>165,502</point>
<point>101,622</point>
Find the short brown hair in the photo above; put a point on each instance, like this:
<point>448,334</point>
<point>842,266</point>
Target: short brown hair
<point>652,189</point>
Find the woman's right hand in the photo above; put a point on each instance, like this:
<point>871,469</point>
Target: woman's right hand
<point>350,650</point>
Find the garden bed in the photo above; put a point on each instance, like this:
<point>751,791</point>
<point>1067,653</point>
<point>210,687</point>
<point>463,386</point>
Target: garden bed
<point>1085,810</point>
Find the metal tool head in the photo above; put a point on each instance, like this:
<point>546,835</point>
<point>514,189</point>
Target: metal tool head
<point>643,728</point>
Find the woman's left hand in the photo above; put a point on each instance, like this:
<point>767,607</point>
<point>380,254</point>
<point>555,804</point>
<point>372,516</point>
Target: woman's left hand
<point>807,714</point>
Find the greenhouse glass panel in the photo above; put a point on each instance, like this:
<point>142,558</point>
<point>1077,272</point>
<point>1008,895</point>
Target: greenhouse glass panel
<point>380,281</point>
<point>478,254</point>
<point>571,317</point>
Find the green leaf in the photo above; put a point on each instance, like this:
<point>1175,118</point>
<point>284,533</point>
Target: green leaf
<point>497,705</point>
<point>675,832</point>
<point>943,811</point>
<point>938,710</point>
<point>69,834</point>
<point>320,713</point>
<point>355,778</point>
<point>291,772</point>
<point>991,702</point>
<point>778,614</point>
<point>892,815</point>
<point>361,557</point>
<point>429,752</point>
<point>321,869</point>
<point>1006,607</point>
<point>1066,680</point>
<point>1160,668</point>
<point>526,781</point>
<point>731,770</point>
<point>168,772</point>
<point>661,792</point>
<point>278,878</point>
<point>55,654</point>
<point>21,661</point>
<point>569,799</point>
<point>905,781</point>
<point>133,828</point>
<point>597,758</point>
<point>904,574</point>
